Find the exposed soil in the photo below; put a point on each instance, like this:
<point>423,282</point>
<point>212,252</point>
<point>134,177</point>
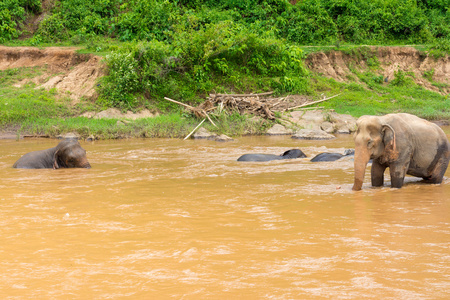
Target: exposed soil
<point>71,73</point>
<point>337,65</point>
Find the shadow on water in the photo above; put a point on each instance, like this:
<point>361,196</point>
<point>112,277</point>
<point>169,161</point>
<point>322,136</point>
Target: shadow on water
<point>166,218</point>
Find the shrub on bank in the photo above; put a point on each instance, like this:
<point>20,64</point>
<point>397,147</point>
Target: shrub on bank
<point>196,61</point>
<point>12,14</point>
<point>304,22</point>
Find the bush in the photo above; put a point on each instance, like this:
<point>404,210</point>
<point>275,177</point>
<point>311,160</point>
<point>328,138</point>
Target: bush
<point>308,22</point>
<point>77,18</point>
<point>144,20</point>
<point>52,29</point>
<point>11,13</point>
<point>198,59</point>
<point>402,79</point>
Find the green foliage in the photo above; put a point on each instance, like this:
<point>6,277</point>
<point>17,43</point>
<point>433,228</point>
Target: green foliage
<point>306,23</point>
<point>11,12</point>
<point>144,20</point>
<point>76,18</point>
<point>51,29</point>
<point>429,75</point>
<point>200,58</point>
<point>402,79</point>
<point>441,48</point>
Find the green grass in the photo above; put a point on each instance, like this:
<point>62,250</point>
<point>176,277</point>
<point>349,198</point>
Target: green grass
<point>173,125</point>
<point>382,98</point>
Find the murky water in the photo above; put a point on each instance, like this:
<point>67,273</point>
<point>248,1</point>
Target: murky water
<point>162,219</point>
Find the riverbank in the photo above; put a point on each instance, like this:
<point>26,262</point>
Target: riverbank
<point>53,91</point>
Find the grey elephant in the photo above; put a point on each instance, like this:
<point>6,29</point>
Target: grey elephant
<point>332,156</point>
<point>290,154</point>
<point>67,154</point>
<point>405,144</point>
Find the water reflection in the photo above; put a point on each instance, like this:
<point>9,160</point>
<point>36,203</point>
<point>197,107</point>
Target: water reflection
<point>183,219</point>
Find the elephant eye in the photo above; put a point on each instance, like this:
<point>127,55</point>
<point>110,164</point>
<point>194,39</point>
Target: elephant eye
<point>370,144</point>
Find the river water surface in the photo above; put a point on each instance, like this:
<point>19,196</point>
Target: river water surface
<point>173,219</point>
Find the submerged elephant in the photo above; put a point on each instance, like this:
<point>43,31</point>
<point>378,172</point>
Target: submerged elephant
<point>403,143</point>
<point>67,154</point>
<point>293,153</point>
<point>332,156</point>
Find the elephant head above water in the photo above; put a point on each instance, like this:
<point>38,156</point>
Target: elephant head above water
<point>67,154</point>
<point>403,143</point>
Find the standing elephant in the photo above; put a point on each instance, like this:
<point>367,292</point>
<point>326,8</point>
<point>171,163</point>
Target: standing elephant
<point>67,154</point>
<point>290,154</point>
<point>403,143</point>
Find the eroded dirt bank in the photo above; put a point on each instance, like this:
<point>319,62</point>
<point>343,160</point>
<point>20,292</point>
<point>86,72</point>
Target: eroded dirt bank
<point>339,65</point>
<point>71,73</point>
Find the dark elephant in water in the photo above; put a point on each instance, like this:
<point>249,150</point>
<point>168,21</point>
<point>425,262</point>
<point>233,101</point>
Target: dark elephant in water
<point>293,153</point>
<point>332,156</point>
<point>67,154</point>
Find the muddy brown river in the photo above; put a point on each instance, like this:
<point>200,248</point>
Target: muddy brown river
<point>173,219</point>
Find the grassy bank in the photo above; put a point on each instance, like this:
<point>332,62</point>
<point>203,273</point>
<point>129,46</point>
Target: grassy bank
<point>28,110</point>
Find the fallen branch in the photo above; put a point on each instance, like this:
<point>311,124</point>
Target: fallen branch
<point>194,129</point>
<point>211,120</point>
<point>280,100</point>
<point>201,112</point>
<point>311,103</point>
<point>183,104</point>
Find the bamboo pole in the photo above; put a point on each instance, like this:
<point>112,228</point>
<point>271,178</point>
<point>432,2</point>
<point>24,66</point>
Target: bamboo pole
<point>183,104</point>
<point>194,129</point>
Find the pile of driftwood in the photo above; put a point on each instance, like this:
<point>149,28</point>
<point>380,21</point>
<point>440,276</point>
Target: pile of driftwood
<point>263,105</point>
<point>256,104</point>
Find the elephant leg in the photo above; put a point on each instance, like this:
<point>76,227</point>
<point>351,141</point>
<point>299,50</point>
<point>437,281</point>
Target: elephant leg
<point>377,173</point>
<point>398,173</point>
<point>439,170</point>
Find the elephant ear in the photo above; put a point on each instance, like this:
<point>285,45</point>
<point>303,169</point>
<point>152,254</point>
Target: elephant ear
<point>390,143</point>
<point>55,160</point>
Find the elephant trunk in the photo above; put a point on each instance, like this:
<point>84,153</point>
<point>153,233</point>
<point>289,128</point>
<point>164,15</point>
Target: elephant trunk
<point>86,165</point>
<point>362,157</point>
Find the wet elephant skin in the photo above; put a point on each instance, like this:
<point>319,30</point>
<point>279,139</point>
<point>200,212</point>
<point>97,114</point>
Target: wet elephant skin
<point>332,156</point>
<point>290,154</point>
<point>67,154</point>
